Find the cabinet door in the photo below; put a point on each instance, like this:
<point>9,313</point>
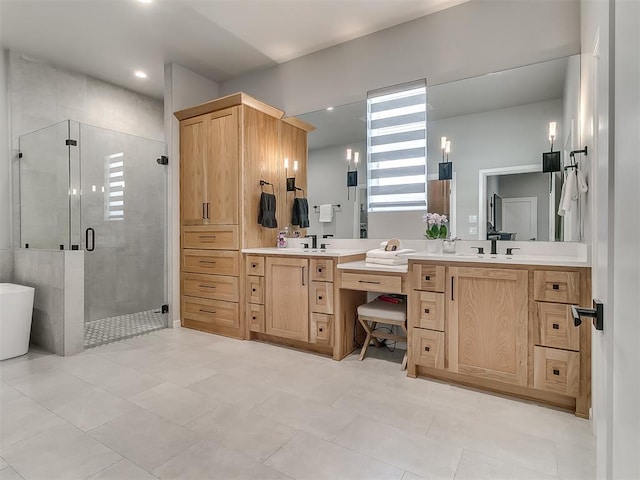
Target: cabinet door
<point>222,167</point>
<point>488,318</point>
<point>287,302</point>
<point>193,145</point>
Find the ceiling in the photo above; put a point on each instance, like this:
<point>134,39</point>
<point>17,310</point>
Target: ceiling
<point>219,39</point>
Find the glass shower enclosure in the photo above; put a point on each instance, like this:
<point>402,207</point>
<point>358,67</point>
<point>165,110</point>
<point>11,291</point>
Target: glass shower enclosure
<point>102,191</point>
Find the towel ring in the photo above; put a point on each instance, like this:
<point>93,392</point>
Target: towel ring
<point>263,183</point>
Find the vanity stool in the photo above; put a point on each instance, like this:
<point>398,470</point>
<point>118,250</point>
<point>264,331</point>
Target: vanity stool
<point>378,311</point>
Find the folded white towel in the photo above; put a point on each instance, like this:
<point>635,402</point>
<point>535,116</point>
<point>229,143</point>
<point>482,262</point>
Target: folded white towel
<point>386,261</point>
<point>377,253</point>
<point>326,213</point>
<point>569,193</point>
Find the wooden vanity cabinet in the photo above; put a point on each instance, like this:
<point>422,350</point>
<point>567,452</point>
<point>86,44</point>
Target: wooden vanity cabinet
<point>287,293</point>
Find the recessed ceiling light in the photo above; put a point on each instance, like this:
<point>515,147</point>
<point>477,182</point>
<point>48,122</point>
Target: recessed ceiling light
<point>329,108</point>
<point>145,1</point>
<point>140,74</point>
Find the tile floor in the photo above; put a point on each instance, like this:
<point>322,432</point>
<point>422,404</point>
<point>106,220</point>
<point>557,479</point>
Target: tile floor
<point>177,403</point>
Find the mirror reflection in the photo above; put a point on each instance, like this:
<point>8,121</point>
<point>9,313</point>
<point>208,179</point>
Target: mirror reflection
<point>498,127</point>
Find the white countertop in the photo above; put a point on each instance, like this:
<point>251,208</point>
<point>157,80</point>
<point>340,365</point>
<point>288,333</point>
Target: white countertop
<point>551,260</point>
<point>307,252</point>
<point>370,267</point>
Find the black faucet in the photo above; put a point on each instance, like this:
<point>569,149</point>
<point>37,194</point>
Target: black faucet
<point>314,240</point>
<point>494,243</point>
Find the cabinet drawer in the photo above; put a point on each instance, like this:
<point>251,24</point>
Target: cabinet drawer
<point>321,329</point>
<point>255,317</point>
<point>321,297</point>
<point>560,287</point>
<point>209,312</point>
<point>254,265</point>
<point>427,348</point>
<point>371,283</point>
<point>255,289</point>
<point>556,371</point>
<point>429,310</point>
<point>321,270</point>
<point>428,277</point>
<point>210,261</point>
<point>556,326</point>
<point>216,287</point>
<point>210,237</point>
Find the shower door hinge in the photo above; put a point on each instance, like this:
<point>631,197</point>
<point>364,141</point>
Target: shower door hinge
<point>72,143</point>
<point>165,308</point>
<point>20,155</point>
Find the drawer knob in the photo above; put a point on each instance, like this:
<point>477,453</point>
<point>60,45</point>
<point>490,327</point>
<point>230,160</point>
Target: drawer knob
<point>556,371</point>
<point>253,318</point>
<point>556,326</point>
<point>426,349</point>
<point>556,286</point>
<point>426,310</point>
<point>319,297</point>
<point>427,277</point>
<point>254,265</point>
<point>253,289</point>
<point>319,270</point>
<point>321,329</point>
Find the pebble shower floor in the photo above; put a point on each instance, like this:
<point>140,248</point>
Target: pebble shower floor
<point>106,330</point>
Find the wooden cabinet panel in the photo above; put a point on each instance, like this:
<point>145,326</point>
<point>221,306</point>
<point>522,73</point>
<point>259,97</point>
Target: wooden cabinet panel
<point>287,298</point>
<point>427,348</point>
<point>321,329</point>
<point>488,320</point>
<point>193,145</point>
<point>556,371</point>
<point>559,287</point>
<point>222,167</point>
<point>210,236</point>
<point>255,289</point>
<point>429,277</point>
<point>556,326</point>
<point>428,310</point>
<point>216,287</point>
<point>255,317</point>
<point>371,283</point>
<point>217,262</point>
<point>254,265</point>
<point>321,297</point>
<point>321,269</point>
<point>206,314</point>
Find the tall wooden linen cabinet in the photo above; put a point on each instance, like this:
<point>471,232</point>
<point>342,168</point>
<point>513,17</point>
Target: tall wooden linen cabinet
<point>227,146</point>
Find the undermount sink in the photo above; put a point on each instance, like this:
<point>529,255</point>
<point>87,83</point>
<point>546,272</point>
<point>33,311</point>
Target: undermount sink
<point>484,255</point>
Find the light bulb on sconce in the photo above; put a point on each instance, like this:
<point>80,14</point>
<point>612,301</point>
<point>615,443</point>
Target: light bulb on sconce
<point>447,148</point>
<point>349,154</point>
<point>552,133</point>
<point>443,143</point>
<point>445,168</point>
<point>295,165</point>
<point>356,157</point>
<point>286,163</point>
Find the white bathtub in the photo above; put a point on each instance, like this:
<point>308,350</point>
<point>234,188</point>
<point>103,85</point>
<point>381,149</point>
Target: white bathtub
<point>16,310</point>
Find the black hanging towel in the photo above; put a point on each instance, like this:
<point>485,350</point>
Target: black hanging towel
<point>267,213</point>
<point>300,214</point>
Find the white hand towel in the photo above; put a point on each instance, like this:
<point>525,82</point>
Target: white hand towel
<point>582,183</point>
<point>569,193</point>
<point>326,213</point>
<point>377,253</point>
<point>387,261</point>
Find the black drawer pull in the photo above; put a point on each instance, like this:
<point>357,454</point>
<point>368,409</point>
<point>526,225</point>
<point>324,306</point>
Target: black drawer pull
<point>253,290</point>
<point>253,317</point>
<point>207,311</point>
<point>319,297</point>
<point>366,281</point>
<point>556,286</point>
<point>427,277</point>
<point>426,310</point>
<point>556,372</point>
<point>319,270</point>
<point>321,330</point>
<point>207,236</point>
<point>206,286</point>
<point>207,261</point>
<point>426,349</point>
<point>556,326</point>
<point>254,265</point>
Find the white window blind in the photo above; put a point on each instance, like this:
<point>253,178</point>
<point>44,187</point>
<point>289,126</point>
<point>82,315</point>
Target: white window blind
<point>397,147</point>
<point>114,180</point>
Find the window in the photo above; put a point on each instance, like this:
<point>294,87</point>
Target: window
<point>114,195</point>
<point>397,147</point>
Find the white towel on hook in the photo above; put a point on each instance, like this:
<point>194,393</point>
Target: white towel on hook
<point>569,193</point>
<point>582,183</point>
<point>326,213</point>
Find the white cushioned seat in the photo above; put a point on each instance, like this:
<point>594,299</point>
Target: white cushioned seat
<point>379,309</point>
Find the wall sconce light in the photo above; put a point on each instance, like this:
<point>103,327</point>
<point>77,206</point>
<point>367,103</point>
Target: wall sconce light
<point>352,175</point>
<point>291,181</point>
<point>551,159</point>
<point>445,168</point>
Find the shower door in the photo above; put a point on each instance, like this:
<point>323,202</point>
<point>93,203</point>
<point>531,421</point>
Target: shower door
<point>123,217</point>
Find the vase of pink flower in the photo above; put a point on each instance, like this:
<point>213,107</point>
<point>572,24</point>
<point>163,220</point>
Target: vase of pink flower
<point>436,231</point>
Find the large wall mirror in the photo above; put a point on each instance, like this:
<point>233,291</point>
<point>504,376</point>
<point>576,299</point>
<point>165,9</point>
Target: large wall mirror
<point>498,126</point>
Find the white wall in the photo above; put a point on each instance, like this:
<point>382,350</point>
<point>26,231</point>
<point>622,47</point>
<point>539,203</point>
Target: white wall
<point>470,39</point>
<point>529,185</point>
<point>6,254</point>
<point>182,89</point>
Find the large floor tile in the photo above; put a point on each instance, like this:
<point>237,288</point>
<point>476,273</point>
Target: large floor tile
<point>174,403</point>
<point>233,390</point>
<point>472,433</point>
<point>3,463</point>
<point>123,470</point>
<point>211,460</point>
<point>62,452</point>
<point>477,466</point>
<point>308,457</point>
<point>242,430</point>
<point>50,388</point>
<point>29,364</point>
<point>8,393</point>
<point>576,463</point>
<point>22,417</point>
<point>10,474</point>
<point>302,414</point>
<point>144,438</point>
<point>404,449</point>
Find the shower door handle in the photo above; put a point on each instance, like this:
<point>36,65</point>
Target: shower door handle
<point>93,239</point>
